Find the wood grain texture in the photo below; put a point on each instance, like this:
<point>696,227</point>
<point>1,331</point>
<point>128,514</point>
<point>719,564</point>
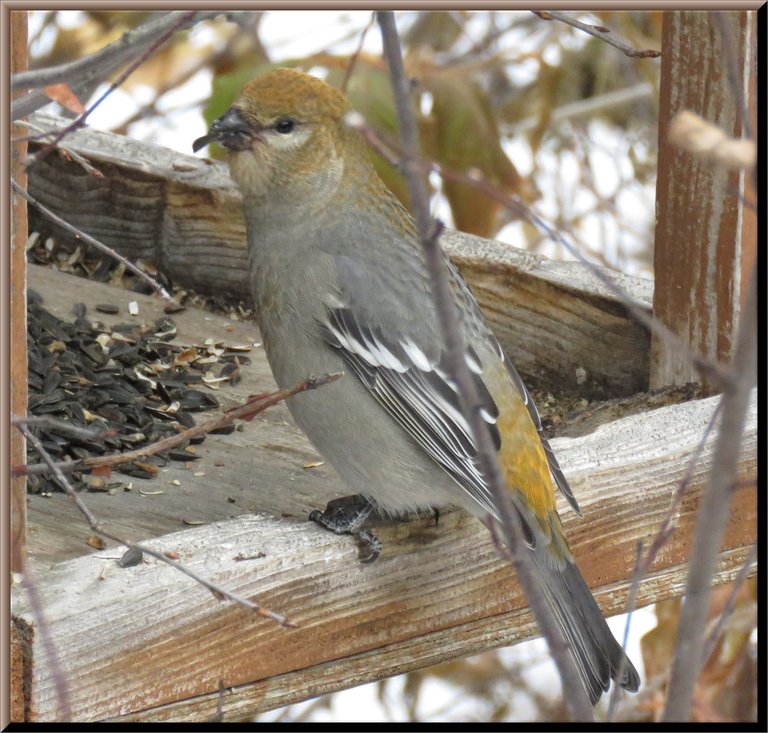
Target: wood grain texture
<point>705,237</point>
<point>18,308</point>
<point>14,398</point>
<point>135,639</point>
<point>240,702</point>
<point>561,327</point>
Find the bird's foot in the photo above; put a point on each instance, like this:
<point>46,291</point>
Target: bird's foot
<point>348,515</point>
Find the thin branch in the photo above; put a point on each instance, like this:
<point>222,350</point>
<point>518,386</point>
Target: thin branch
<point>218,591</point>
<point>218,716</point>
<point>181,21</point>
<point>210,60</point>
<point>599,31</point>
<point>589,106</point>
<point>62,427</point>
<point>667,526</point>
<point>483,44</point>
<point>356,55</point>
<point>662,536</point>
<point>724,23</point>
<point>45,23</point>
<point>88,239</point>
<point>64,150</point>
<point>246,411</point>
<point>712,517</point>
<point>730,604</point>
<point>429,233</point>
<point>730,51</point>
<point>99,65</point>
<point>637,573</point>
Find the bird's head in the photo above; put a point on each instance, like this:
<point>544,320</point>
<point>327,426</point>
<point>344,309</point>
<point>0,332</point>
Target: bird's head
<point>285,134</point>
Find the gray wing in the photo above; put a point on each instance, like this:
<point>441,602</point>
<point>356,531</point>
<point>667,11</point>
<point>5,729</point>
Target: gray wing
<point>411,385</point>
<point>418,394</point>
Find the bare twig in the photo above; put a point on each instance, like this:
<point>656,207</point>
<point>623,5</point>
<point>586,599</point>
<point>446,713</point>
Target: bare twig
<point>691,647</point>
<point>730,604</point>
<point>45,23</point>
<point>668,524</point>
<point>100,63</point>
<point>88,239</point>
<point>210,60</point>
<point>631,601</point>
<point>218,716</point>
<point>483,44</point>
<point>64,150</point>
<point>356,55</point>
<point>724,22</point>
<point>83,72</point>
<point>59,681</point>
<point>712,516</point>
<point>599,31</point>
<point>246,411</point>
<point>219,592</point>
<point>181,21</point>
<point>429,233</point>
<point>65,428</point>
<point>667,527</point>
<point>627,96</point>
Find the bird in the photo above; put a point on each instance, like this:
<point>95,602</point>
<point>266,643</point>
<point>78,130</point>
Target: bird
<point>340,284</point>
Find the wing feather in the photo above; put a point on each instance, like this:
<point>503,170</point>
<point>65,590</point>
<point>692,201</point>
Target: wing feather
<point>419,395</point>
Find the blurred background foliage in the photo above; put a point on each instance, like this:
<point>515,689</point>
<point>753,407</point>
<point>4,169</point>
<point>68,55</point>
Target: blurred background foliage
<point>540,110</point>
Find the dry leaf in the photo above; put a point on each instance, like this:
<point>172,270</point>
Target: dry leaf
<point>62,94</point>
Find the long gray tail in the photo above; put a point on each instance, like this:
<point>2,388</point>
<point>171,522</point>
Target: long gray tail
<point>591,644</point>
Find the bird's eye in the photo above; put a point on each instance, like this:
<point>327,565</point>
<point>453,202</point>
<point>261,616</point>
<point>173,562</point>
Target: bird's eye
<point>285,125</point>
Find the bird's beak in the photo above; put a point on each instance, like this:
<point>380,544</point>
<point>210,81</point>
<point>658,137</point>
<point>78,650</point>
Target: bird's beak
<point>232,130</point>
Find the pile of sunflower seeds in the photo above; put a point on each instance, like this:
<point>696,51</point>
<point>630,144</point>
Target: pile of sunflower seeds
<point>127,380</point>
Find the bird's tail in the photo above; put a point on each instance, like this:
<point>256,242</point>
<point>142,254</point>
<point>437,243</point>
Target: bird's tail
<point>591,644</point>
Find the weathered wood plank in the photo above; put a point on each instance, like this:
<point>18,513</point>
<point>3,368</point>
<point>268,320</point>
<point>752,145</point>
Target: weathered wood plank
<point>240,702</point>
<point>17,308</point>
<point>558,323</point>
<point>706,231</point>
<point>134,639</point>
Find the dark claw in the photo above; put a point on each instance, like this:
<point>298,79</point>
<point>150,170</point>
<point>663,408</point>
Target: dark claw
<point>348,516</point>
<point>370,546</point>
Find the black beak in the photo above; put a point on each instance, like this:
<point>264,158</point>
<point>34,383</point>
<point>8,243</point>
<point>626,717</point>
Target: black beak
<point>232,130</point>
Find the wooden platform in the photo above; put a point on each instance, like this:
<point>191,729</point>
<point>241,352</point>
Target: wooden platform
<point>146,643</point>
